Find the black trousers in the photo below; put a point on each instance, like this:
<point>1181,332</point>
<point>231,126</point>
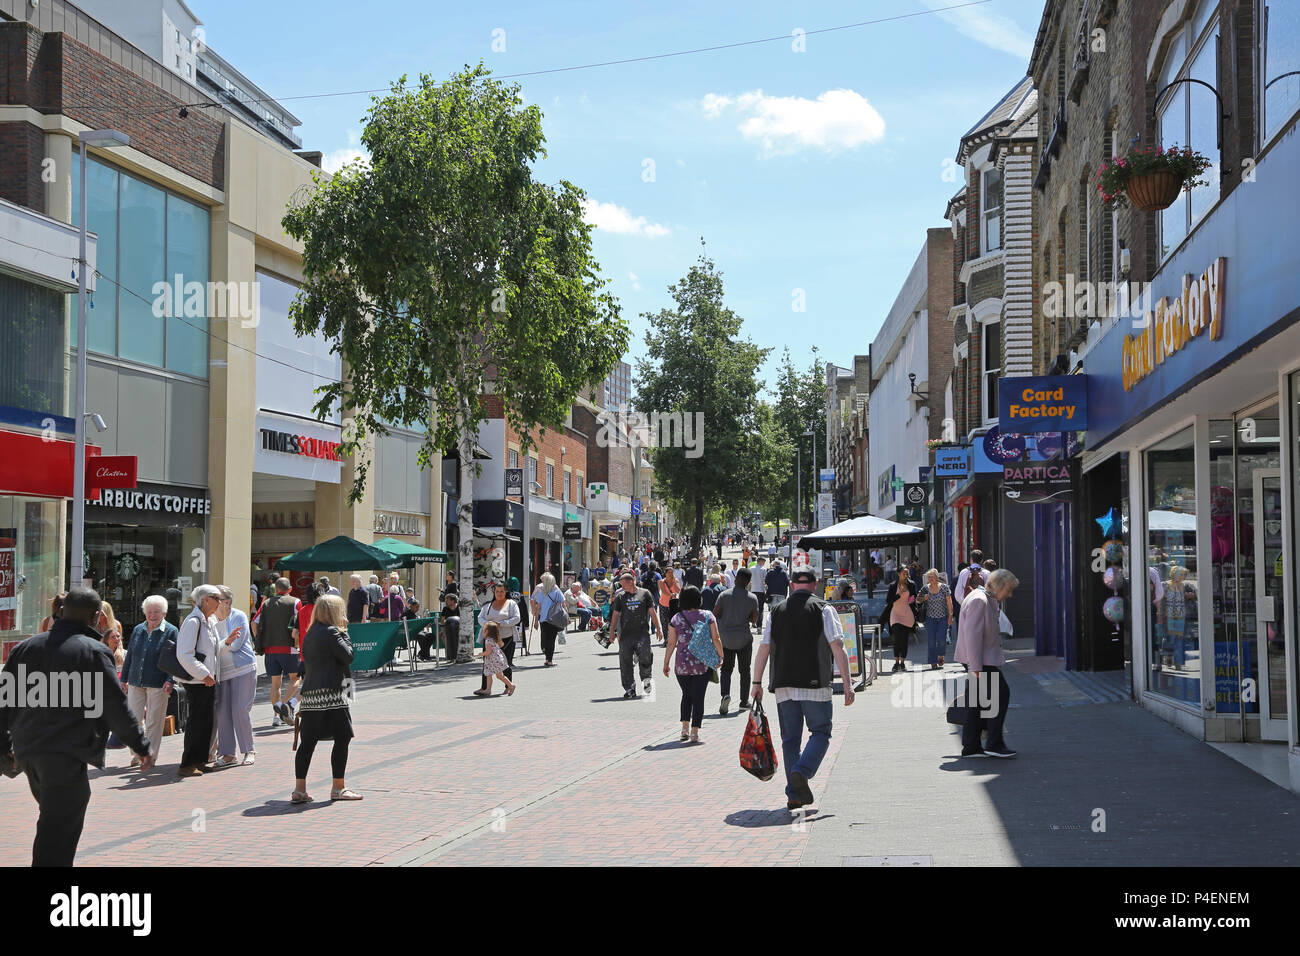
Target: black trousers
<point>198,732</point>
<point>62,791</point>
<point>992,687</point>
<point>338,757</point>
<point>901,634</point>
<point>693,688</point>
<point>549,633</point>
<point>507,648</point>
<point>730,659</point>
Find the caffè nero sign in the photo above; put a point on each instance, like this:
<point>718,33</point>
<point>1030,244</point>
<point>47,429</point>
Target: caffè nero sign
<point>398,524</point>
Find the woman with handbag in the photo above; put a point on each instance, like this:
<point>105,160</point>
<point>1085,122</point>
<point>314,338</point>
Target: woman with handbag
<point>504,613</point>
<point>900,605</point>
<point>549,607</point>
<point>325,713</point>
<point>695,638</point>
<point>669,589</point>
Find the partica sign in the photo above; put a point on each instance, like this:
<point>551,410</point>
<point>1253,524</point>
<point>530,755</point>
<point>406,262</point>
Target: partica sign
<point>1171,324</point>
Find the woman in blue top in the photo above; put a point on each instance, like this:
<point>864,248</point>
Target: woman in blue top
<point>147,685</point>
<point>692,673</point>
<point>236,683</point>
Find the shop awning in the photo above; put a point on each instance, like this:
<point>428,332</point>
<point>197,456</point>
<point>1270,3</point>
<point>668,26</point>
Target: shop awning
<point>413,554</point>
<point>341,554</point>
<point>860,532</point>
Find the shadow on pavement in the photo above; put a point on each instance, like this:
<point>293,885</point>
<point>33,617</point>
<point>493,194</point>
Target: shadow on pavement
<point>751,819</point>
<point>276,808</point>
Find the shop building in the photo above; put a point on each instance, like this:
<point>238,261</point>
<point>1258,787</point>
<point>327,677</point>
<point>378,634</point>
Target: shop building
<point>1198,394</point>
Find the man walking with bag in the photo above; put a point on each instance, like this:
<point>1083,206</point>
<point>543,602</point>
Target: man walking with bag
<point>802,636</point>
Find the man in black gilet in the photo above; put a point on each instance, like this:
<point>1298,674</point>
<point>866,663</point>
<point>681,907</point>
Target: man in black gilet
<point>802,636</point>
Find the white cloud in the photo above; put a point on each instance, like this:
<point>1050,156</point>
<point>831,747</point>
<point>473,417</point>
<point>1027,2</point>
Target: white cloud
<point>332,162</point>
<point>837,119</point>
<point>612,218</point>
<point>636,283</point>
<point>988,28</point>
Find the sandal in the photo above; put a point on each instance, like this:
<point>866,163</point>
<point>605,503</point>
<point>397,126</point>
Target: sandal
<point>685,736</point>
<point>511,689</point>
<point>348,794</point>
<point>695,738</point>
<point>482,693</point>
<point>299,797</point>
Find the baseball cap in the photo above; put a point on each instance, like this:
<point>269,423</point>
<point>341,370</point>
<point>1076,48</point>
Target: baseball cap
<point>803,576</point>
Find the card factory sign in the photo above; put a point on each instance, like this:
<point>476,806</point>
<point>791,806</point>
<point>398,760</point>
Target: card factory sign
<point>1173,323</point>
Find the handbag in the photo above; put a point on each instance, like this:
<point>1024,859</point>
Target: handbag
<point>757,752</point>
<point>556,615</point>
<point>170,664</point>
<point>701,644</point>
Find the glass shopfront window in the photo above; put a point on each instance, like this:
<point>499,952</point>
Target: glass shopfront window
<point>146,235</point>
<point>29,564</point>
<point>129,563</point>
<point>1247,566</point>
<point>1174,647</point>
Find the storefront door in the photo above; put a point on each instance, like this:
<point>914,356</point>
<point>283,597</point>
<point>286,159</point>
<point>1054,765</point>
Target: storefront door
<point>1269,604</point>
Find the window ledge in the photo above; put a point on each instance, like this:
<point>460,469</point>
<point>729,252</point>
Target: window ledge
<point>971,266</point>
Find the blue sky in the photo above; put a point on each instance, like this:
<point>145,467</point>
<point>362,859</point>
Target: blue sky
<point>816,170</point>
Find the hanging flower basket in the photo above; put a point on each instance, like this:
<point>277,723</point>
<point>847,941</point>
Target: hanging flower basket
<point>1150,179</point>
<point>1152,192</point>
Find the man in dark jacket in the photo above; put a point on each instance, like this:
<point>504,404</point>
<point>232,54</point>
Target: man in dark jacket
<point>695,574</point>
<point>53,727</point>
<point>777,583</point>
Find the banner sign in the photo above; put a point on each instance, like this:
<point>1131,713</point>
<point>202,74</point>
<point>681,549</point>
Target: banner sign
<point>906,513</point>
<point>916,494</point>
<point>1043,403</point>
<point>1031,482</point>
<point>514,482</point>
<point>573,531</point>
<point>951,463</point>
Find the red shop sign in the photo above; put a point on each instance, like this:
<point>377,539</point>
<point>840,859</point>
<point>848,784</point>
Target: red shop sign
<point>37,465</point>
<point>110,471</point>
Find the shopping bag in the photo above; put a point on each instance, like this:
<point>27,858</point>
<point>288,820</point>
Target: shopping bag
<point>757,754</point>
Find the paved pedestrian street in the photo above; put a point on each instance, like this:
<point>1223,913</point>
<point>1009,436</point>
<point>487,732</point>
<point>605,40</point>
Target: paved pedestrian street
<point>565,772</point>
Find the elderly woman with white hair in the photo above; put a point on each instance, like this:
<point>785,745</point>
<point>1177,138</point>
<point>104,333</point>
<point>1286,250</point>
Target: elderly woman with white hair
<point>147,685</point>
<point>236,683</point>
<point>196,652</point>
<point>979,647</point>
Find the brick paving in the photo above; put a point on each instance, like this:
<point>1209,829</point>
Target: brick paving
<point>565,772</point>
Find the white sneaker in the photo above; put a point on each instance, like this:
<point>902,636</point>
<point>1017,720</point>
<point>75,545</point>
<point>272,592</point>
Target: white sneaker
<point>648,685</point>
<point>250,759</point>
<point>276,722</point>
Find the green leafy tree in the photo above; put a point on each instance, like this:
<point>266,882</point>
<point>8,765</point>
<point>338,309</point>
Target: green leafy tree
<point>800,406</point>
<point>696,362</point>
<point>441,270</point>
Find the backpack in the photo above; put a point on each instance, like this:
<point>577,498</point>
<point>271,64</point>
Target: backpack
<point>701,643</point>
<point>975,580</point>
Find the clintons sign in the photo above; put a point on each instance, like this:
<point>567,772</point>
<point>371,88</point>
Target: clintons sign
<point>1172,324</point>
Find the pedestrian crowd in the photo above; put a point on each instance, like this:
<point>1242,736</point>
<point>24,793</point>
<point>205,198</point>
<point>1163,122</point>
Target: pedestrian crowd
<point>707,617</point>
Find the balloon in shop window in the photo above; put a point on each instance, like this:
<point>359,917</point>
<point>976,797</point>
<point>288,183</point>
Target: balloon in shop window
<point>1113,610</point>
<point>1113,578</point>
<point>1114,551</point>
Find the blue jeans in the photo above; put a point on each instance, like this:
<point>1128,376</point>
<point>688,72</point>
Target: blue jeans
<point>936,632</point>
<point>584,618</point>
<point>792,715</point>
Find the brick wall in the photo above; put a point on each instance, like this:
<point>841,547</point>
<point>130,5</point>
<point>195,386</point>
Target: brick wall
<point>546,449</point>
<point>53,73</point>
<point>939,256</point>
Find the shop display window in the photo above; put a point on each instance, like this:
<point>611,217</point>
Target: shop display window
<point>1174,651</point>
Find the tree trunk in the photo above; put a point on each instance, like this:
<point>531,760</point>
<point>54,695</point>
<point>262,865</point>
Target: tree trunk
<point>698,533</point>
<point>465,549</point>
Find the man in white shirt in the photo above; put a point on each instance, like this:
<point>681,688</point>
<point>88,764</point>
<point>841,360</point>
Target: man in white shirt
<point>758,585</point>
<point>729,575</point>
<point>802,679</point>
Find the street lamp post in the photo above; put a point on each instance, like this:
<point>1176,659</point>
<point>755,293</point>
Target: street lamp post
<point>104,138</point>
<point>817,485</point>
